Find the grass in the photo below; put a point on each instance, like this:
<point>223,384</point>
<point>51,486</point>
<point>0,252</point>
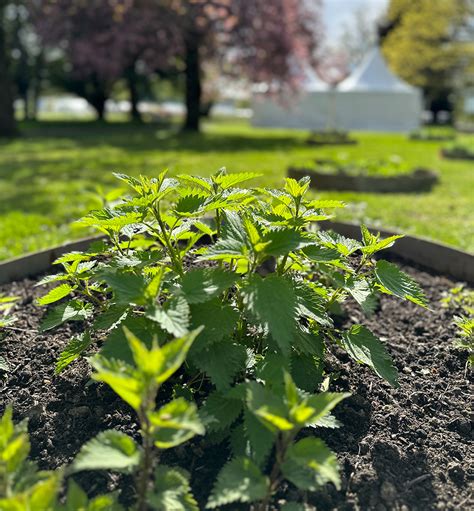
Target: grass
<point>49,176</point>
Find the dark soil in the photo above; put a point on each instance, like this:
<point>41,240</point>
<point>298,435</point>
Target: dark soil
<point>399,449</point>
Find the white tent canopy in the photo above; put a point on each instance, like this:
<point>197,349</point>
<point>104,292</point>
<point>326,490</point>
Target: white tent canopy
<point>372,98</point>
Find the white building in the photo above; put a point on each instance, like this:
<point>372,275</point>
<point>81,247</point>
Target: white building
<point>372,98</point>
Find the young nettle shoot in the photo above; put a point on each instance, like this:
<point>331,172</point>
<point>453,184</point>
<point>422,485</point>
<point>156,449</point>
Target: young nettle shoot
<point>168,426</point>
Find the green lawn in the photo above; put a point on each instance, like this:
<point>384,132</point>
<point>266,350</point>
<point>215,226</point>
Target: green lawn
<point>48,176</point>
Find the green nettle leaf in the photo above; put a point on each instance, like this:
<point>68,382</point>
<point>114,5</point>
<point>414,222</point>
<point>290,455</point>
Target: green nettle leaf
<point>362,294</point>
<point>171,491</point>
<point>319,254</point>
<point>77,500</point>
<point>272,302</point>
<point>202,285</point>
<point>4,365</point>
<point>189,204</point>
<point>282,241</point>
<point>109,450</point>
<point>173,316</point>
<point>310,304</point>
<point>220,411</point>
<point>127,287</point>
<point>309,464</point>
<point>14,443</point>
<point>239,481</point>
<point>175,423</point>
<point>56,294</point>
<point>394,281</point>
<point>362,345</point>
<point>219,322</point>
<point>268,407</point>
<point>318,406</point>
<point>111,318</point>
<point>260,438</point>
<point>307,371</point>
<point>75,310</point>
<point>75,347</point>
<point>293,506</point>
<point>229,180</point>
<point>221,362</point>
<point>343,245</point>
<point>116,346</point>
<point>120,377</point>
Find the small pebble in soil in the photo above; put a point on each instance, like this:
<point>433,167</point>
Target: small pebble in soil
<point>388,492</point>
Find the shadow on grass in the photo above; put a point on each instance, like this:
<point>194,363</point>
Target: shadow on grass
<point>149,137</point>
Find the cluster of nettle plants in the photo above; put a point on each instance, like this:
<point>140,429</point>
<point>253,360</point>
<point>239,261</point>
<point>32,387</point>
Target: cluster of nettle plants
<point>228,295</point>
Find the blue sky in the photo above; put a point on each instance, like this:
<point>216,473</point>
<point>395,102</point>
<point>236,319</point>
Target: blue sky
<point>338,12</point>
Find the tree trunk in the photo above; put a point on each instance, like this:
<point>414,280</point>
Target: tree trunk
<point>98,97</point>
<point>132,88</point>
<point>7,116</point>
<point>193,84</point>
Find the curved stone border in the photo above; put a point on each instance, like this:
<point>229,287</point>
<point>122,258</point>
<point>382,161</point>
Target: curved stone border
<point>435,256</point>
<point>455,154</point>
<point>35,263</point>
<point>420,180</point>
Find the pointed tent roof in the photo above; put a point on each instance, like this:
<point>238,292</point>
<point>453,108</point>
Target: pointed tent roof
<point>312,82</point>
<point>374,75</point>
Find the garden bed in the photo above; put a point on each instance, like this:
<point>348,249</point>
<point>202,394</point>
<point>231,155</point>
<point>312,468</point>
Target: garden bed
<point>319,138</point>
<point>404,448</point>
<point>457,153</point>
<point>419,180</point>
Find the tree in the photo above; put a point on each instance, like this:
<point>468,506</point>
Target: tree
<point>421,41</point>
<point>359,36</point>
<point>7,116</point>
<point>104,40</point>
<point>262,40</point>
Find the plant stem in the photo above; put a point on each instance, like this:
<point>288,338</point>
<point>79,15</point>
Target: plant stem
<point>176,262</point>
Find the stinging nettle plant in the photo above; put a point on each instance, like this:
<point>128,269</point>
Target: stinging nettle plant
<point>251,268</point>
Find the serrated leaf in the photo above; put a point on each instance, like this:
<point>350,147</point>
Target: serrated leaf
<point>173,316</point>
<point>73,350</point>
<point>310,304</point>
<point>111,318</point>
<point>202,285</point>
<point>239,481</point>
<point>272,302</point>
<point>326,204</point>
<point>306,371</point>
<point>282,241</point>
<point>127,287</point>
<point>74,310</point>
<point>220,411</point>
<point>345,246</point>
<point>109,450</point>
<point>362,294</point>
<point>268,407</point>
<point>116,345</point>
<point>171,491</point>
<point>260,438</point>
<point>394,281</point>
<point>309,464</point>
<point>319,254</point>
<point>229,180</point>
<point>56,294</point>
<point>219,322</point>
<point>222,362</point>
<point>4,365</point>
<point>175,423</point>
<point>362,345</point>
<point>77,500</point>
